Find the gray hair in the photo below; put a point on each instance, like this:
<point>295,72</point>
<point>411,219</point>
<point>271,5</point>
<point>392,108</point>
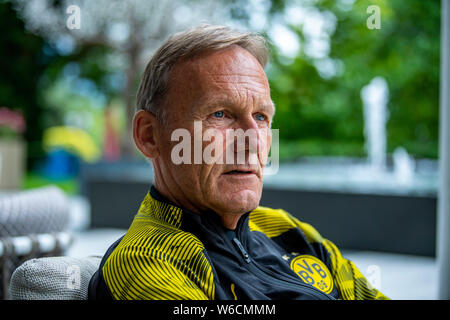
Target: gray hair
<point>185,45</point>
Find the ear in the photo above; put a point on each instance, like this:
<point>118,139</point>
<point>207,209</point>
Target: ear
<point>145,128</point>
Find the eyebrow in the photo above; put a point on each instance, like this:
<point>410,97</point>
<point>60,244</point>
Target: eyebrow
<point>212,103</point>
<point>266,107</point>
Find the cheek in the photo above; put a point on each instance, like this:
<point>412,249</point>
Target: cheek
<point>269,143</point>
<point>264,146</point>
<point>214,147</point>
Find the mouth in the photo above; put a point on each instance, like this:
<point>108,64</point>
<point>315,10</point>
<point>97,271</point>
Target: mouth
<point>239,172</point>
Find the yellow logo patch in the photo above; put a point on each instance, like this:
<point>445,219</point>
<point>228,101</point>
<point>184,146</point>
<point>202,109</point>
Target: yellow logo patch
<point>313,271</point>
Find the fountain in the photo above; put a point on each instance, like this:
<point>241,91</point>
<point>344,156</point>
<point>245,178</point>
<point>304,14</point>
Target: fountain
<point>375,97</point>
<point>372,175</point>
<point>404,166</point>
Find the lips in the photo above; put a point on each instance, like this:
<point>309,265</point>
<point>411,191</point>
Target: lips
<point>240,171</point>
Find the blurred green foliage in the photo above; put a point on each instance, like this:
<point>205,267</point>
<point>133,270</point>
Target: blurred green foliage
<point>320,116</point>
<point>47,85</point>
<point>22,64</point>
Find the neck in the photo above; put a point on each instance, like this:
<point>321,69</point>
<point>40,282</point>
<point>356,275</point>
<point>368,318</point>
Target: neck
<point>176,196</point>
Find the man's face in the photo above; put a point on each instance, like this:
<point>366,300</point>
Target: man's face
<point>224,90</point>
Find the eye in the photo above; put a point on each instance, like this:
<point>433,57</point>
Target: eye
<point>260,117</point>
<point>219,114</point>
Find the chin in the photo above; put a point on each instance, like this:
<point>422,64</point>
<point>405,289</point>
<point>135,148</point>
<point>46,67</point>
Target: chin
<point>240,201</point>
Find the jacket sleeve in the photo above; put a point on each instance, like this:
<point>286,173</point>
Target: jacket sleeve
<point>351,283</point>
<point>137,276</point>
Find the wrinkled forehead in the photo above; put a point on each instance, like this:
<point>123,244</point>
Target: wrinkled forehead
<point>226,72</point>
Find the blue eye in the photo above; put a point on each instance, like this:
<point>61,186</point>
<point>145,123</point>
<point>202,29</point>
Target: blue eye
<point>219,114</point>
<point>260,117</point>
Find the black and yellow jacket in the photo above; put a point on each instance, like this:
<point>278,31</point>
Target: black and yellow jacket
<point>171,253</point>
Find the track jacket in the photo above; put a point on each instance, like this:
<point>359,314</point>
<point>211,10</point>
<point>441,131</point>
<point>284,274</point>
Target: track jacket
<point>171,253</point>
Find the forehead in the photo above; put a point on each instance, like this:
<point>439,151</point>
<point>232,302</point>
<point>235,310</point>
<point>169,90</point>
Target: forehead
<point>231,74</point>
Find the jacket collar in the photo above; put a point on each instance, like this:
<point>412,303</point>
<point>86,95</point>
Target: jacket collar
<point>202,225</point>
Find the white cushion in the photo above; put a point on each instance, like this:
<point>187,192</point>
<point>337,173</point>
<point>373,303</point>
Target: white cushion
<point>34,211</point>
<point>53,278</point>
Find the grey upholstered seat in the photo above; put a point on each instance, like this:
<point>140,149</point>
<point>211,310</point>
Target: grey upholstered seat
<point>53,278</point>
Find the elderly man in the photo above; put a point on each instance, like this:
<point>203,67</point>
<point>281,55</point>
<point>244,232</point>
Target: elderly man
<point>200,232</point>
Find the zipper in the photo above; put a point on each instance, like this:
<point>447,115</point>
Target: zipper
<point>269,277</point>
<point>242,250</point>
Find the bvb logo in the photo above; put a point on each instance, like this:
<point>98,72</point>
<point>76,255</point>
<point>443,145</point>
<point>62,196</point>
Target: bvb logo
<point>313,271</point>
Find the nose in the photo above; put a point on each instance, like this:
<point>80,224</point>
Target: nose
<point>247,142</point>
<point>254,139</point>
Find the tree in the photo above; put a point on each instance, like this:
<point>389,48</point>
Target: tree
<point>132,29</point>
<point>327,51</point>
<point>23,62</point>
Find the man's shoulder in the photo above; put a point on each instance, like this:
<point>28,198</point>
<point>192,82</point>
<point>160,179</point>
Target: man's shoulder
<point>157,241</point>
<point>150,254</point>
<point>274,222</point>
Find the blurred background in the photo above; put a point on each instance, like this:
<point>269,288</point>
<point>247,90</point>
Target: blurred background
<point>356,89</point>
